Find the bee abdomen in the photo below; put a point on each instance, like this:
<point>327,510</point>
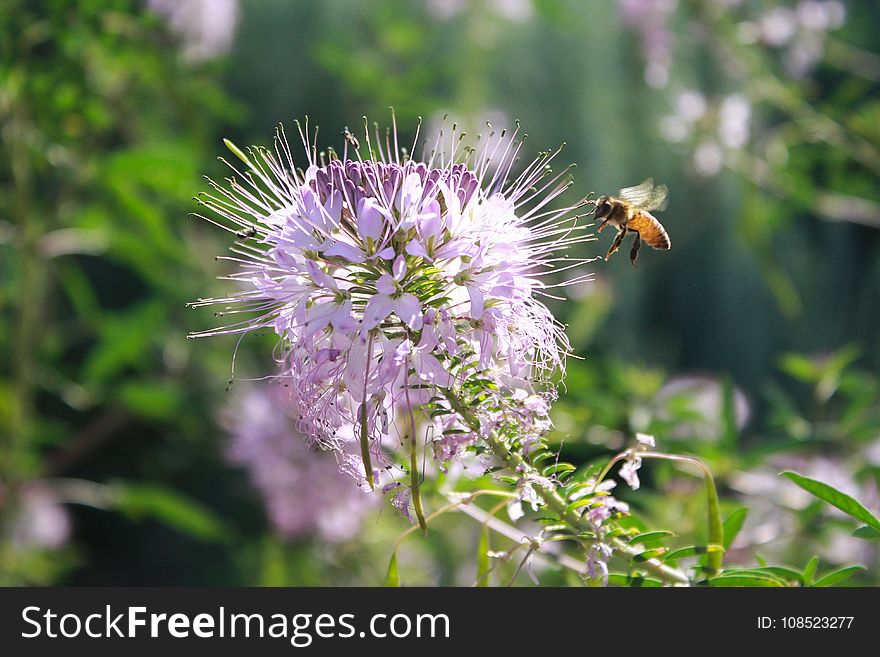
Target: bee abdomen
<point>650,230</point>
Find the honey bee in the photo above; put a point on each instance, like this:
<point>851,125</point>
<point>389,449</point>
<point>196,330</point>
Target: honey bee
<point>631,211</point>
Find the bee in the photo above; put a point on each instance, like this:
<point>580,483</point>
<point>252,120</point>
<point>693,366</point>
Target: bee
<point>631,211</point>
<point>351,139</point>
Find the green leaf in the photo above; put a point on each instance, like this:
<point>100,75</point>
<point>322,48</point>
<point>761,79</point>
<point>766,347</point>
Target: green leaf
<point>150,399</point>
<point>392,577</point>
<point>169,507</point>
<point>744,580</point>
<point>577,504</point>
<point>125,342</point>
<point>836,498</point>
<point>641,557</point>
<point>558,468</point>
<point>636,581</point>
<point>868,533</point>
<point>838,576</point>
<point>648,537</point>
<point>733,524</point>
<point>693,550</point>
<point>810,570</point>
<point>714,558</point>
<point>800,367</point>
<point>483,561</point>
<point>783,572</point>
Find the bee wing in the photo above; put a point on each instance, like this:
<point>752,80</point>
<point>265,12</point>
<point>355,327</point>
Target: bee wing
<point>649,229</point>
<point>646,195</point>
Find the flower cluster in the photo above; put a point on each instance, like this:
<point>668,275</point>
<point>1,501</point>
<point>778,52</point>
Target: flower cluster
<point>205,27</point>
<point>39,520</point>
<point>302,487</point>
<point>714,130</point>
<point>650,19</point>
<point>393,282</point>
<point>798,32</point>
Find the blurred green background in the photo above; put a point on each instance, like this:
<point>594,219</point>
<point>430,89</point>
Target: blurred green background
<point>752,343</point>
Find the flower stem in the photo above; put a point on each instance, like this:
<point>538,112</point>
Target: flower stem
<point>414,481</point>
<point>365,445</point>
<point>715,525</point>
<point>414,475</point>
<point>516,463</point>
<point>364,425</point>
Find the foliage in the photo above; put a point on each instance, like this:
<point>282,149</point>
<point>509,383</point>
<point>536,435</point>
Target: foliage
<point>751,348</point>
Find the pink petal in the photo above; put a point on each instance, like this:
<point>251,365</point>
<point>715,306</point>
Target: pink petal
<point>417,249</point>
<point>378,308</point>
<point>476,301</point>
<point>320,277</point>
<point>430,223</point>
<point>318,316</point>
<point>431,369</point>
<point>346,251</point>
<point>385,284</point>
<point>399,268</point>
<point>342,320</point>
<point>409,310</point>
<point>369,219</point>
<point>333,209</point>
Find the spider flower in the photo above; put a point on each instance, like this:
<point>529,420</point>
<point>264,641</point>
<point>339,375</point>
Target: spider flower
<point>392,281</point>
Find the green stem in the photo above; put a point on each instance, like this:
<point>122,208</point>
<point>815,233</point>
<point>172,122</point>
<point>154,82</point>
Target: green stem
<point>414,482</point>
<point>414,475</point>
<point>715,524</point>
<point>362,417</point>
<point>465,500</point>
<point>516,463</point>
<point>365,444</point>
<point>32,292</point>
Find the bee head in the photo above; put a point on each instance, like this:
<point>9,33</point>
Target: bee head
<point>603,207</point>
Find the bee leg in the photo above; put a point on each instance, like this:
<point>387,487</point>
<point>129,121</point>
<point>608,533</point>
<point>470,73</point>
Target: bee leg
<point>616,244</point>
<point>601,225</point>
<point>634,252</point>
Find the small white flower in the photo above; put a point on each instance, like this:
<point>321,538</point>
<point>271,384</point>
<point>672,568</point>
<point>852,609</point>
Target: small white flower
<point>629,471</point>
<point>630,468</point>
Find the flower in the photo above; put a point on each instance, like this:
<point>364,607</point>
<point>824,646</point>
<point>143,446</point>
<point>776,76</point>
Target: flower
<point>206,27</point>
<point>694,407</point>
<point>39,520</point>
<point>391,282</point>
<point>716,129</point>
<point>597,562</point>
<point>800,30</point>
<point>630,468</point>
<point>650,19</point>
<point>305,493</point>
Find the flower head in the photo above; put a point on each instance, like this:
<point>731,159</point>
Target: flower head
<point>629,471</point>
<point>390,280</point>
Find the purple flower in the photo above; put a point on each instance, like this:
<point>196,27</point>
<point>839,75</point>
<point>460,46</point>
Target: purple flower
<point>629,471</point>
<point>597,562</point>
<point>391,299</point>
<point>205,27</point>
<point>389,281</point>
<point>650,19</point>
<point>38,520</point>
<point>305,493</point>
